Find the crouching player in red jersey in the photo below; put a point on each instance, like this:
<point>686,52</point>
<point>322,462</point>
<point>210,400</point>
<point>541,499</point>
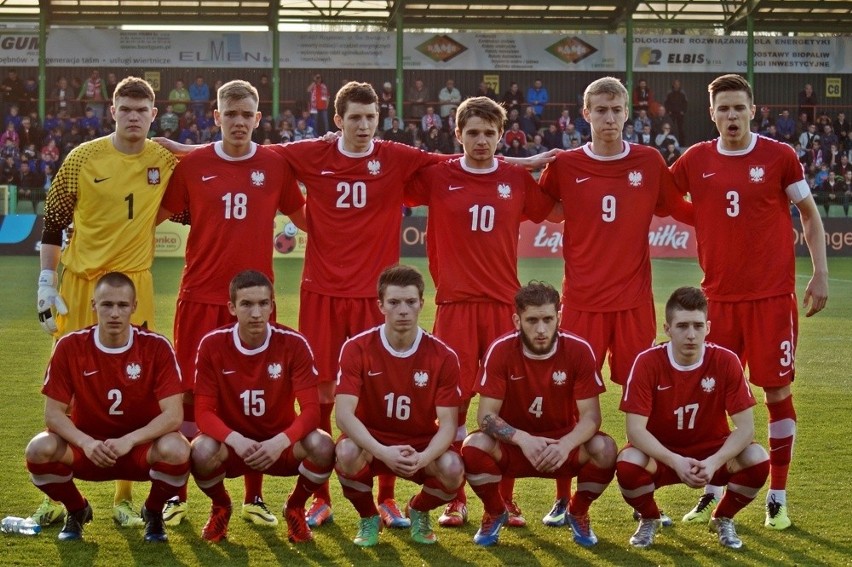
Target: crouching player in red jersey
<point>397,405</point>
<point>676,400</point>
<point>248,376</point>
<point>127,409</point>
<point>551,427</point>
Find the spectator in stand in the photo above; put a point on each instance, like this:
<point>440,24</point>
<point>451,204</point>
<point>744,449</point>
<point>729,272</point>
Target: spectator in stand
<point>285,132</point>
<point>831,156</point>
<point>808,102</point>
<point>436,142</point>
<point>93,93</point>
<point>61,97</point>
<point>450,98</point>
<point>847,145</point>
<point>90,120</point>
<point>303,131</point>
<point>387,123</point>
<point>387,100</point>
<point>536,146</point>
<point>513,116</point>
<point>659,119</point>
<point>629,135</point>
<point>199,95</point>
<point>29,133</point>
<point>516,150</point>
<point>584,128</point>
<point>318,103</point>
<point>264,93</point>
<point>30,185</point>
<point>552,138</point>
<point>178,96</point>
<point>645,137</point>
<point>414,133</point>
<point>786,127</point>
<point>9,174</point>
<point>847,192</point>
<point>772,133</point>
<point>90,134</point>
<point>570,135</point>
<point>814,157</point>
<point>71,139</point>
<point>671,153</point>
<point>13,117</point>
<point>676,106</point>
<point>530,122</point>
<point>830,192</point>
<point>808,137</point>
<point>50,152</point>
<point>841,125</point>
<point>643,98</point>
<point>397,134</point>
<point>267,132</point>
<point>842,165</point>
<point>417,96</point>
<point>515,133</point>
<point>484,89</point>
<point>29,100</point>
<point>169,121</point>
<point>665,137</point>
<point>10,134</point>
<point>642,120</point>
<point>111,83</point>
<point>12,88</point>
<point>564,120</point>
<point>764,120</point>
<point>802,123</point>
<point>430,120</point>
<point>828,136</point>
<point>513,99</point>
<point>537,97</point>
<point>822,174</point>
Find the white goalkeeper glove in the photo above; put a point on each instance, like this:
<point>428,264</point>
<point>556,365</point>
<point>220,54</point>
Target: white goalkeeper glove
<point>48,297</point>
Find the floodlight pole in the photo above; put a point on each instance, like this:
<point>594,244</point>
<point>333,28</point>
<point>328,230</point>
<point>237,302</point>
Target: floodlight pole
<point>42,62</point>
<point>628,52</point>
<point>399,67</point>
<point>276,66</point>
<point>750,49</point>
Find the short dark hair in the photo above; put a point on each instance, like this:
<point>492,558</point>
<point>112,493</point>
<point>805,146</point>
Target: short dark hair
<point>353,91</point>
<point>401,276</point>
<point>133,87</point>
<point>729,82</point>
<point>536,293</point>
<point>247,279</point>
<point>686,299</point>
<point>116,279</point>
<point>482,107</point>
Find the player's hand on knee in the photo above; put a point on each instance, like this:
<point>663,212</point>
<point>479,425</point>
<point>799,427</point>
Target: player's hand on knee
<point>48,299</point>
<point>99,453</point>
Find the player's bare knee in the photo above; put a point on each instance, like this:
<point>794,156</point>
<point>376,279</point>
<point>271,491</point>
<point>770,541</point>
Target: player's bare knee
<point>42,448</point>
<point>349,456</point>
<point>752,455</point>
<point>479,440</point>
<point>319,447</point>
<point>602,450</point>
<point>172,448</point>
<point>633,456</point>
<point>203,452</point>
<point>450,470</point>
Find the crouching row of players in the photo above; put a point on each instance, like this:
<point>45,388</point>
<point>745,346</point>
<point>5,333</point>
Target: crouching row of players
<point>396,405</point>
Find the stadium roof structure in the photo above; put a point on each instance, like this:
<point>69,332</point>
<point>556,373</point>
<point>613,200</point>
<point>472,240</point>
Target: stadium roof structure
<point>801,16</point>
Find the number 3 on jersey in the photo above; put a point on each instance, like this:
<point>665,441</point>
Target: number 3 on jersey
<point>236,205</point>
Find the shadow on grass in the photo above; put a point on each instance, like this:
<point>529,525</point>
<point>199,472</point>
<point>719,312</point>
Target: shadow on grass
<point>75,553</point>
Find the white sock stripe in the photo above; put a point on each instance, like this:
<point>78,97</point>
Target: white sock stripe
<point>210,482</point>
<point>746,491</point>
<point>317,478</point>
<point>593,487</point>
<point>42,479</point>
<point>354,484</point>
<point>170,479</point>
<point>445,496</point>
<point>782,428</point>
<point>636,492</point>
<point>484,478</point>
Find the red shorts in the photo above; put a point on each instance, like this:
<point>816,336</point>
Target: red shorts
<point>192,321</point>
<point>328,321</point>
<point>763,333</point>
<point>378,467</point>
<point>514,464</point>
<point>132,466</point>
<point>624,334</point>
<point>286,465</point>
<point>469,328</point>
<point>665,475</point>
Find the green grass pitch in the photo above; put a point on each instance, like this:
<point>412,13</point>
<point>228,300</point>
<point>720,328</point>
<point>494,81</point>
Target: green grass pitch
<point>819,488</point>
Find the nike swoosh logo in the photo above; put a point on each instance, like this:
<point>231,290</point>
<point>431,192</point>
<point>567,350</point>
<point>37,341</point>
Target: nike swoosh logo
<point>229,372</point>
<point>371,373</point>
<point>208,177</point>
<point>101,180</point>
<point>582,179</point>
<point>455,187</point>
<point>326,172</point>
<point>661,388</point>
<point>90,372</point>
<point>515,377</point>
<point>772,449</point>
<point>706,175</point>
<point>785,372</point>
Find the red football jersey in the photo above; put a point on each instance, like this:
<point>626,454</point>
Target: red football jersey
<point>399,391</point>
<point>354,211</point>
<point>609,202</point>
<point>540,393</point>
<point>687,407</point>
<point>742,216</point>
<point>473,226</point>
<point>232,204</point>
<point>115,390</point>
<point>254,389</point>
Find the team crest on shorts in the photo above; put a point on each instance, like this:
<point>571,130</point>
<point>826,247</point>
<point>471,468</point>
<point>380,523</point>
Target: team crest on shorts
<point>421,378</point>
<point>153,176</point>
<point>708,384</point>
<point>504,190</point>
<point>559,377</point>
<point>258,178</point>
<point>635,178</point>
<point>756,173</point>
<point>274,370</point>
<point>374,166</point>
<point>133,370</point>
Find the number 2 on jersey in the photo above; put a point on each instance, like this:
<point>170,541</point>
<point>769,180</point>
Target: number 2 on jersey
<point>352,195</point>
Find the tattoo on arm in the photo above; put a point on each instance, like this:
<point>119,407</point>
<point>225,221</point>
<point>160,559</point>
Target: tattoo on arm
<point>497,428</point>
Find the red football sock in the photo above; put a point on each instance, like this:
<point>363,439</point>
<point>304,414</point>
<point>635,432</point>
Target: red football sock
<point>432,495</point>
<point>563,488</point>
<point>64,491</point>
<point>254,486</point>
<point>591,482</point>
<point>461,496</point>
<point>507,488</point>
<point>637,488</point>
<point>361,499</point>
<point>311,476</point>
<point>742,489</point>
<point>322,492</point>
<point>782,435</point>
<point>165,479</point>
<point>483,475</point>
<point>213,485</point>
<point>387,486</point>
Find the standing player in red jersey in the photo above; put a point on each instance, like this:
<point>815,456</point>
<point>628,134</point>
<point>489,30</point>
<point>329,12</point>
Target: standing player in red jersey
<point>248,379</point>
<point>539,415</point>
<point>126,388</point>
<point>610,190</point>
<point>677,400</point>
<point>397,407</point>
<point>741,186</point>
<point>476,205</point>
<point>232,190</point>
